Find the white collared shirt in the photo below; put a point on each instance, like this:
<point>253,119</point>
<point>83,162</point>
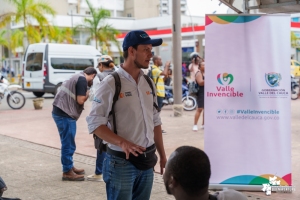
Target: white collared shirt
<point>136,116</point>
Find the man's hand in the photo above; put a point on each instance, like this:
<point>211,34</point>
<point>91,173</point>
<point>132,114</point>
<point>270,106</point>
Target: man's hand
<point>162,163</point>
<point>129,147</point>
<point>168,63</point>
<point>88,93</point>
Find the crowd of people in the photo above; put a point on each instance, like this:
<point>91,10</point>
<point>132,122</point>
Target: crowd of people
<point>126,126</point>
<point>7,71</point>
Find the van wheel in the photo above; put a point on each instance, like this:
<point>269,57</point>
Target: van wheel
<point>38,94</point>
<point>57,88</point>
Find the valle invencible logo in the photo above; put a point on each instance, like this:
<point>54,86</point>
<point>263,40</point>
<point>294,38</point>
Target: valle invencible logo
<point>224,90</point>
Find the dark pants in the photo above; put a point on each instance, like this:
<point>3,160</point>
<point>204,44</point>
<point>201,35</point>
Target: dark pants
<point>160,101</point>
<point>99,162</point>
<point>67,130</point>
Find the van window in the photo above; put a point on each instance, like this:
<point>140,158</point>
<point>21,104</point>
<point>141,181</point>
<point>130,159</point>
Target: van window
<point>82,64</point>
<point>62,63</point>
<point>71,63</point>
<point>34,62</point>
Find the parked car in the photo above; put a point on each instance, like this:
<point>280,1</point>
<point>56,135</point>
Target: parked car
<point>46,66</point>
<point>295,68</point>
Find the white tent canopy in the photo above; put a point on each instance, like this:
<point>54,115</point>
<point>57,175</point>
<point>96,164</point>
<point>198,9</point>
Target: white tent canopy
<point>263,6</point>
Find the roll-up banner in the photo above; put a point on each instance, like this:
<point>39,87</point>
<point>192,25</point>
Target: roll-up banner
<point>247,100</point>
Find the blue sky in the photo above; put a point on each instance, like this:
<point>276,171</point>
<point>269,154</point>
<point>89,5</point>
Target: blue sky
<point>202,7</point>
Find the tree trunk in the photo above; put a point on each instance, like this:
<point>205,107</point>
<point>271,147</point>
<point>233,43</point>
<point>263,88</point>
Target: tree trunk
<point>26,41</point>
<point>96,43</point>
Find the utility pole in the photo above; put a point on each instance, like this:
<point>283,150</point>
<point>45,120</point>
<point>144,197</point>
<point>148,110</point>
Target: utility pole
<point>9,49</point>
<point>177,58</point>
<point>246,7</point>
<point>160,8</point>
<point>72,26</point>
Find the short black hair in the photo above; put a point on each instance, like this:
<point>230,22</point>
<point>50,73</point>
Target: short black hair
<point>190,167</point>
<point>154,58</point>
<point>125,53</point>
<point>90,71</point>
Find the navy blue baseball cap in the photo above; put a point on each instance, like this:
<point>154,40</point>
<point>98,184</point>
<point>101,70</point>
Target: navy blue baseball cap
<point>139,37</point>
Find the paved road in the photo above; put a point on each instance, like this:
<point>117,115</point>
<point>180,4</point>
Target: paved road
<point>27,126</point>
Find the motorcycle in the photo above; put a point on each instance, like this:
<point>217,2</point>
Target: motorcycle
<point>189,102</point>
<point>15,99</point>
<point>294,88</point>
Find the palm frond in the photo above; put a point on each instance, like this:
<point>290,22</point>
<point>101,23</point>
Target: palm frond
<point>16,40</point>
<point>3,39</point>
<point>34,33</point>
<point>88,40</point>
<point>45,7</point>
<point>6,18</point>
<point>91,8</point>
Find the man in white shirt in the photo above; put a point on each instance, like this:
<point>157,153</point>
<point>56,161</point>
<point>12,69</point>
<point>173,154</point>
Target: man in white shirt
<point>128,165</point>
<point>187,176</point>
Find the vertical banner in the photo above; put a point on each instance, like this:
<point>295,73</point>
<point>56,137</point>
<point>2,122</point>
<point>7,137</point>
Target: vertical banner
<point>247,99</point>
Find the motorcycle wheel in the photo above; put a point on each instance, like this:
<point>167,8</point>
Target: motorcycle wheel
<point>16,100</point>
<point>296,92</point>
<point>189,104</point>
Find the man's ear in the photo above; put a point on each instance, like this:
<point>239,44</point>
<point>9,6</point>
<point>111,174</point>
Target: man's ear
<point>131,51</point>
<point>172,183</point>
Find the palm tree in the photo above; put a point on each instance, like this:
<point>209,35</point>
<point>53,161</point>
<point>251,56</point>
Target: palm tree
<point>60,35</point>
<point>109,34</point>
<point>16,40</point>
<point>99,31</point>
<point>27,11</point>
<point>3,40</point>
<point>5,19</point>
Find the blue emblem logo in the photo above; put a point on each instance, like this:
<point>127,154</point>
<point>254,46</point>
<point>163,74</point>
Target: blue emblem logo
<point>97,100</point>
<point>273,79</point>
<point>144,35</point>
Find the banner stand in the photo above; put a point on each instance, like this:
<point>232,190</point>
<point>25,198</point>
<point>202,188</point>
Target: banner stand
<point>248,95</point>
<point>235,187</point>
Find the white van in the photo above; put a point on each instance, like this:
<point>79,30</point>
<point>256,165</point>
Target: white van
<point>47,65</point>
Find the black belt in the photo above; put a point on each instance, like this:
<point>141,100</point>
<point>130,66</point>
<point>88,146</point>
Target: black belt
<point>121,154</point>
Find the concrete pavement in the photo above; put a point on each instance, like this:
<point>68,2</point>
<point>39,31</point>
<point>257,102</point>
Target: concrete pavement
<point>30,156</point>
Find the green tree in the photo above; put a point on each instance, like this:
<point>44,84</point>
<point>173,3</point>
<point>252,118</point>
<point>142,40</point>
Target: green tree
<point>108,34</point>
<point>294,39</point>
<point>60,35</point>
<point>3,40</point>
<point>28,11</point>
<point>99,31</point>
<point>16,40</point>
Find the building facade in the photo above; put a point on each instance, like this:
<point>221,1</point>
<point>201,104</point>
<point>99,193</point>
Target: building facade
<point>127,15</point>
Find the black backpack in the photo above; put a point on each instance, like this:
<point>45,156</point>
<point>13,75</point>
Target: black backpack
<point>150,75</point>
<point>98,141</point>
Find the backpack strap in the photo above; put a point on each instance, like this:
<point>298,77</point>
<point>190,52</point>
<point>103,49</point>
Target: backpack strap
<point>153,76</point>
<point>117,93</point>
<point>100,76</point>
<point>153,92</point>
<point>116,97</point>
<point>196,76</point>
